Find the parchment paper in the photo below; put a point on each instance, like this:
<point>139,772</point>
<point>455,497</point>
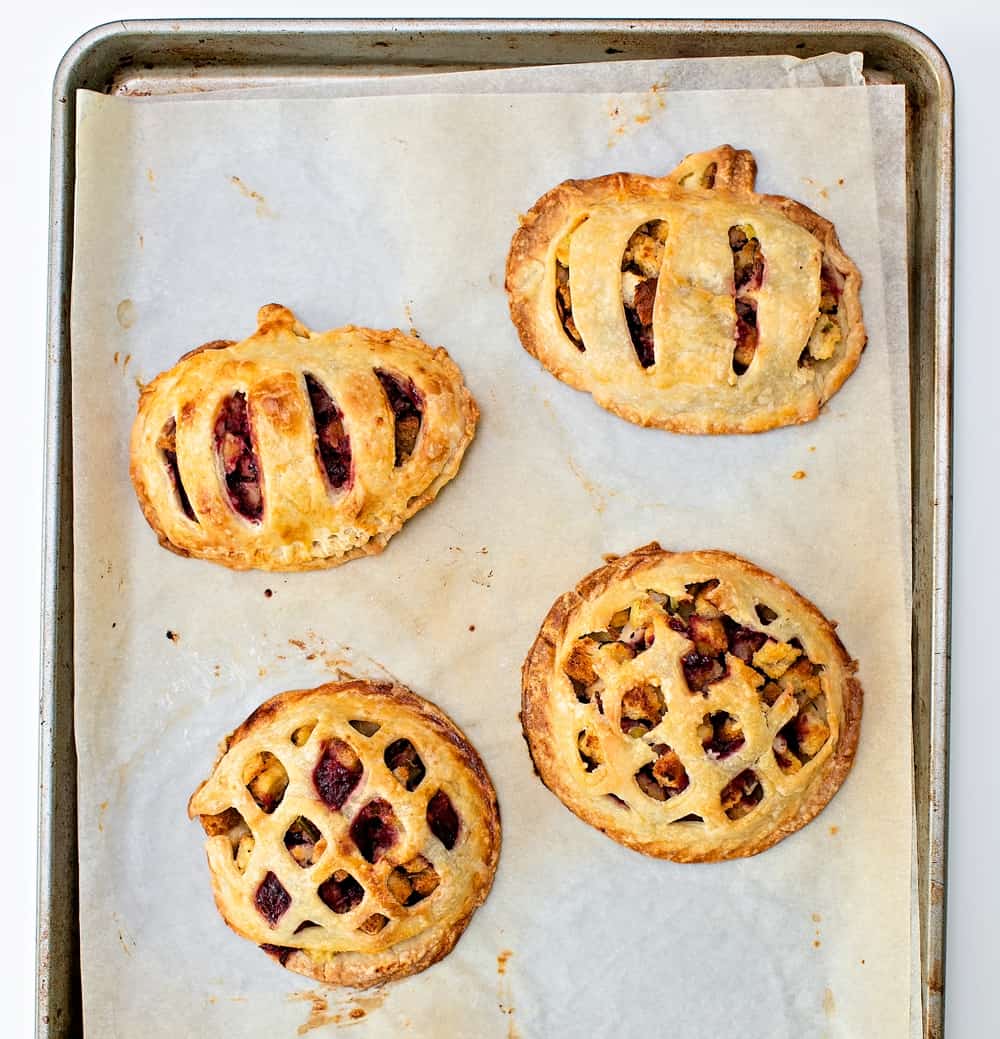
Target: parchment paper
<point>398,211</point>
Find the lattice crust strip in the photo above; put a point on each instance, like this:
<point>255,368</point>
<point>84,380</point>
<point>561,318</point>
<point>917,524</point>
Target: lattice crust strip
<point>352,831</point>
<point>294,449</point>
<point>689,301</point>
<point>690,705</point>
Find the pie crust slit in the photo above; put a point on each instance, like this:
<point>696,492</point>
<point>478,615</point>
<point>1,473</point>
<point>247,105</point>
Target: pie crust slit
<point>297,450</point>
<point>320,854</point>
<point>687,302</point>
<point>690,705</point>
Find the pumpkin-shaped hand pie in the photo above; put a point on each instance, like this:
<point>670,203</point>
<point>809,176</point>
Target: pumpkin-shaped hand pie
<point>294,450</point>
<point>690,705</point>
<point>352,831</point>
<point>687,302</point>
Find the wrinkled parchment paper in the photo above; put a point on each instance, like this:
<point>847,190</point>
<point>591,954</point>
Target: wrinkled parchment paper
<point>398,211</point>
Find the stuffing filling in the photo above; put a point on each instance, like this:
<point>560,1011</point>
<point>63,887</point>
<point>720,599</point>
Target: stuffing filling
<point>340,892</point>
<point>333,446</point>
<point>589,748</point>
<point>366,728</point>
<point>232,825</point>
<point>407,410</point>
<point>234,446</point>
<point>443,819</point>
<point>266,779</point>
<point>374,923</point>
<point>643,709</point>
<point>748,276</point>
<point>741,795</point>
<point>627,635</point>
<point>337,773</point>
<point>413,881</point>
<point>564,301</point>
<point>641,263</point>
<point>272,900</point>
<point>374,829</point>
<point>167,443</point>
<point>403,761</point>
<point>664,777</point>
<point>300,737</point>
<point>827,333</point>
<point>304,842</point>
<point>720,734</point>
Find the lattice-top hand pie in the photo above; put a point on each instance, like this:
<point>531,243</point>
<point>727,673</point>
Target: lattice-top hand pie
<point>294,450</point>
<point>690,705</point>
<point>687,302</point>
<point>352,831</point>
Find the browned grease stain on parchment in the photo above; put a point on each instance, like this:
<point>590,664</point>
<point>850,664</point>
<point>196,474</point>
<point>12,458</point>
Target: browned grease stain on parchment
<point>342,661</point>
<point>829,1005</point>
<point>262,209</point>
<point>125,313</point>
<point>347,1011</point>
<point>504,1002</point>
<point>632,110</point>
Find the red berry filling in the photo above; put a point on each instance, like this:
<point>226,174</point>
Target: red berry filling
<point>272,900</point>
<point>332,442</point>
<point>374,829</point>
<point>341,892</point>
<point>234,446</point>
<point>336,774</point>
<point>279,952</point>
<point>443,819</point>
<point>407,409</point>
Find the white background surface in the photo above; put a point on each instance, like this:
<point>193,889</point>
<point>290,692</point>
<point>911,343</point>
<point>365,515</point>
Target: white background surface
<point>36,38</point>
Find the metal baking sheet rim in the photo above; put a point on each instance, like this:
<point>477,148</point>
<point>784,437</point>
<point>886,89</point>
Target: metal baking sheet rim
<point>100,58</point>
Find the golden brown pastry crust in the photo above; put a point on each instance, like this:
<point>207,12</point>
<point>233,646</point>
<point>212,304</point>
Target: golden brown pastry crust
<point>692,387</point>
<point>554,716</point>
<point>306,524</point>
<point>337,952</point>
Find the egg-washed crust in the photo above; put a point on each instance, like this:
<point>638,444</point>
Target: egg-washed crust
<point>550,718</point>
<point>692,387</point>
<point>306,524</point>
<point>415,937</point>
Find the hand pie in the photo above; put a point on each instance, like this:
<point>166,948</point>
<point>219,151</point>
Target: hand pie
<point>687,302</point>
<point>352,831</point>
<point>295,450</point>
<point>690,705</point>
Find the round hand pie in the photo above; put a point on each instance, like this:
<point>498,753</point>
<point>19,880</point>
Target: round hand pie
<point>687,302</point>
<point>294,450</point>
<point>690,705</point>
<point>352,831</point>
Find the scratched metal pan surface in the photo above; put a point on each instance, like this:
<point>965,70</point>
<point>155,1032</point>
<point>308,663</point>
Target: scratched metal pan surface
<point>177,57</point>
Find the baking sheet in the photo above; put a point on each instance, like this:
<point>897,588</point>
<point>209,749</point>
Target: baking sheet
<point>339,221</point>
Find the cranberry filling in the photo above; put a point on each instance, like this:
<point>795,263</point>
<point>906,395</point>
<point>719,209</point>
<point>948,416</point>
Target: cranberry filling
<point>341,892</point>
<point>332,441</point>
<point>406,408</point>
<point>167,443</point>
<point>272,900</point>
<point>279,952</point>
<point>234,445</point>
<point>746,334</point>
<point>743,642</point>
<point>403,761</point>
<point>336,774</point>
<point>443,819</point>
<point>374,829</point>
<point>701,671</point>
